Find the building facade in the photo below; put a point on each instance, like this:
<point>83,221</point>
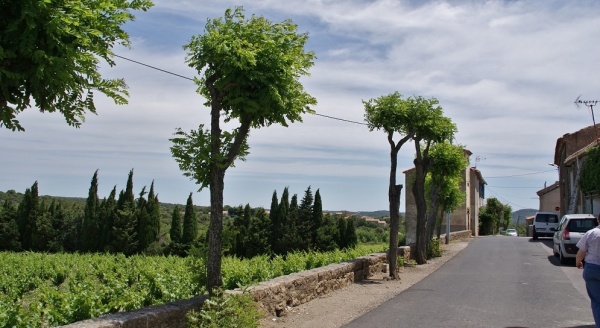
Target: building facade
<point>464,217</point>
<point>569,155</point>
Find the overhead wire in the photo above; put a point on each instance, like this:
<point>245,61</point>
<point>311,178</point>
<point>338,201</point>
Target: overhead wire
<point>188,78</point>
<point>321,115</point>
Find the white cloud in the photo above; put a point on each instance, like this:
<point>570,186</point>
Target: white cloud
<point>506,72</point>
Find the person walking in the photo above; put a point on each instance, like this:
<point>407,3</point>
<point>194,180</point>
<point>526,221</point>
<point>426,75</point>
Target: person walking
<point>588,259</point>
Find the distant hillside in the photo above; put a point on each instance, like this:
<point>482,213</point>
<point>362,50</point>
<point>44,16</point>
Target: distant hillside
<point>521,214</point>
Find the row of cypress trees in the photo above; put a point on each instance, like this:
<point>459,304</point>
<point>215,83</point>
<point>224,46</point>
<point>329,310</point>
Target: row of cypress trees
<point>289,226</point>
<point>118,225</point>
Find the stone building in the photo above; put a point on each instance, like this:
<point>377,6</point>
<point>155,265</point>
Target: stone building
<point>465,217</point>
<point>550,198</point>
<point>569,155</point>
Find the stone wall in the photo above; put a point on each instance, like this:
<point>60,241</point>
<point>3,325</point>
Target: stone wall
<point>273,296</point>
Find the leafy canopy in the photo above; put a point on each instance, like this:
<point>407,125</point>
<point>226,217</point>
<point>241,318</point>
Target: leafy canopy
<point>50,51</point>
<point>253,66</point>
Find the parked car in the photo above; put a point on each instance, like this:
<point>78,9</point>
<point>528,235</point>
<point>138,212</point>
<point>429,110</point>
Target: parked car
<point>544,224</point>
<point>512,232</point>
<point>570,230</point>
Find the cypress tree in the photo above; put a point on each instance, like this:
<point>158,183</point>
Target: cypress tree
<point>176,226</point>
<point>90,230</point>
<point>275,224</point>
<point>341,237</point>
<point>316,215</point>
<point>350,235</point>
<point>27,215</point>
<point>153,209</point>
<point>108,212</point>
<point>124,234</point>
<point>143,222</point>
<point>190,225</point>
<point>305,228</point>
<point>128,195</point>
<point>293,238</point>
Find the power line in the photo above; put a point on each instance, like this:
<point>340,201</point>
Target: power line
<point>519,175</point>
<point>187,78</point>
<point>156,68</point>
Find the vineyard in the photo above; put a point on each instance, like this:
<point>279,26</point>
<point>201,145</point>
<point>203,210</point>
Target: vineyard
<point>39,290</point>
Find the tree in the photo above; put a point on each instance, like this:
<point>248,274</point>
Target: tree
<point>9,230</point>
<point>443,182</point>
<point>176,226</point>
<point>153,209</point>
<point>316,215</point>
<point>108,212</point>
<point>27,214</point>
<point>51,51</point>
<point>306,229</point>
<point>190,225</point>
<point>430,127</point>
<point>250,71</point>
<point>392,114</point>
<point>493,215</point>
<point>91,222</point>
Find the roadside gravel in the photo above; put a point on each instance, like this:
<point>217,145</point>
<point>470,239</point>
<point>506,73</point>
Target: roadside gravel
<point>342,306</point>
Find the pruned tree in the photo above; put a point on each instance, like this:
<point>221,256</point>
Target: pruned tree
<point>393,115</point>
<point>430,127</point>
<point>250,71</point>
<point>51,52</point>
<point>443,182</point>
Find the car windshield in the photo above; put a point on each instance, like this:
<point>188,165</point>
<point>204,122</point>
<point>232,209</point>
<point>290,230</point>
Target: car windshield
<point>511,230</point>
<point>582,225</point>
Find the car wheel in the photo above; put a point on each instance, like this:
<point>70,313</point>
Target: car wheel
<point>554,251</point>
<point>535,236</point>
<point>562,259</point>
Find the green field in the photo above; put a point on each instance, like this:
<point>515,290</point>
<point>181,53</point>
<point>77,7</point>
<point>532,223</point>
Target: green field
<point>55,289</point>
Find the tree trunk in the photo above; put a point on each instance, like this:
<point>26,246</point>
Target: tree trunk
<point>394,200</point>
<point>215,229</point>
<point>422,231</point>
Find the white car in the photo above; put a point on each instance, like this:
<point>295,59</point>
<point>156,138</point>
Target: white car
<point>512,232</point>
<point>570,230</point>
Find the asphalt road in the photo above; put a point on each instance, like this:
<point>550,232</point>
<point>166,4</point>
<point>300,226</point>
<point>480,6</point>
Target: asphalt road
<point>496,281</point>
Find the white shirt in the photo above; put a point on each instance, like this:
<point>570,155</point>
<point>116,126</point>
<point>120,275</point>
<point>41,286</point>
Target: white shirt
<point>590,244</point>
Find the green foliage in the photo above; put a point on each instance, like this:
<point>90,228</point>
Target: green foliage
<point>224,310</point>
<point>57,289</point>
<point>434,249</point>
<point>190,224</point>
<point>192,151</point>
<point>590,172</point>
<point>492,216</point>
<point>50,53</point>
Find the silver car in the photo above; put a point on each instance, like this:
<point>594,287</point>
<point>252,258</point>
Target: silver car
<point>570,230</point>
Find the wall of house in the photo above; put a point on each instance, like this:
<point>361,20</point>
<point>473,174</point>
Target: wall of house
<point>550,200</point>
<point>566,146</point>
<point>476,202</point>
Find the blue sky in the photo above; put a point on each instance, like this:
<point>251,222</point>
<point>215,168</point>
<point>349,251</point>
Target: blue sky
<point>506,72</point>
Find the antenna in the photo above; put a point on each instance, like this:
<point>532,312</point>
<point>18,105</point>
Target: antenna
<point>478,159</point>
<point>590,104</point>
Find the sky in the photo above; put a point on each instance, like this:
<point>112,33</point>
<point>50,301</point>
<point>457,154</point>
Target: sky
<point>506,72</point>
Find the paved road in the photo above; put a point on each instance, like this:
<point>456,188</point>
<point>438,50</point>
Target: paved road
<point>495,282</point>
